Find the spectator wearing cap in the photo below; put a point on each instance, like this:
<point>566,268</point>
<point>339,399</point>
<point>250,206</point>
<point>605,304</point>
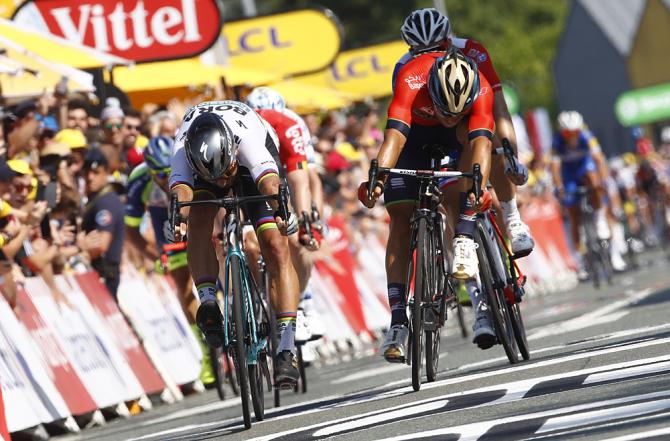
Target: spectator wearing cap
<point>112,123</point>
<point>103,226</point>
<point>20,126</point>
<point>74,139</point>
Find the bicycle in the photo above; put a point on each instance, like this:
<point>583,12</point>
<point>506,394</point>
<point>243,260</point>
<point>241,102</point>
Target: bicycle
<point>502,279</point>
<point>433,293</point>
<point>244,334</point>
<point>597,256</point>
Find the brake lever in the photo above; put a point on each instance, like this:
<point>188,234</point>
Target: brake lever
<point>282,201</point>
<point>304,220</point>
<point>509,154</point>
<point>476,181</point>
<point>372,177</point>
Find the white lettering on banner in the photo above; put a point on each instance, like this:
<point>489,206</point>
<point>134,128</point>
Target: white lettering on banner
<point>168,25</point>
<point>86,352</point>
<point>122,331</point>
<point>45,339</point>
<point>165,335</point>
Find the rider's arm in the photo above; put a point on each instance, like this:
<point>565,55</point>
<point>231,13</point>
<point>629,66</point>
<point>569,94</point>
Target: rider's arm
<point>298,183</point>
<point>503,120</point>
<point>181,175</point>
<point>269,185</point>
<point>480,129</point>
<point>140,243</point>
<point>555,168</point>
<point>316,188</point>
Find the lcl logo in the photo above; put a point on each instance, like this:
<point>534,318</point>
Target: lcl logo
<point>257,40</point>
<point>357,68</point>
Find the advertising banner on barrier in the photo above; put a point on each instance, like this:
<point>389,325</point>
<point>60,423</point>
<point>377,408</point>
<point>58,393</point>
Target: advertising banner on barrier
<point>4,431</point>
<point>164,333</point>
<point>30,392</point>
<point>108,311</point>
<point>134,29</point>
<point>82,346</point>
<point>363,72</point>
<point>338,271</point>
<point>54,358</point>
<point>296,42</point>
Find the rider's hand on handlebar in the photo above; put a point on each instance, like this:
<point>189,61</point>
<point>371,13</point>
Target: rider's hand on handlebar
<point>312,243</point>
<point>484,202</point>
<point>516,172</point>
<point>363,194</point>
<point>289,226</point>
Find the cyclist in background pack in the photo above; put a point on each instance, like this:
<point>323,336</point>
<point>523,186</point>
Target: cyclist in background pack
<point>223,146</point>
<point>576,153</point>
<point>295,152</point>
<point>147,191</point>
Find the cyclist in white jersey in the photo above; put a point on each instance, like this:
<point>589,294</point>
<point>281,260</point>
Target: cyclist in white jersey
<point>224,145</point>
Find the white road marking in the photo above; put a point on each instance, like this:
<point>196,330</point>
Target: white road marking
<point>379,418</point>
<point>598,316</point>
<point>643,435</point>
<point>474,431</point>
<point>515,391</point>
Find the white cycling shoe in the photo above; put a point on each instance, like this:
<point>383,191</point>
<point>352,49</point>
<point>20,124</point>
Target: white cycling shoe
<point>394,347</point>
<point>465,258</point>
<point>602,228</point>
<point>315,324</point>
<point>522,241</point>
<point>303,332</point>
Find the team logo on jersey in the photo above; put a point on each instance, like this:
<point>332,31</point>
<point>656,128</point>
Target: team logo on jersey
<point>415,81</point>
<point>103,218</point>
<point>425,112</point>
<point>483,90</point>
<point>479,57</point>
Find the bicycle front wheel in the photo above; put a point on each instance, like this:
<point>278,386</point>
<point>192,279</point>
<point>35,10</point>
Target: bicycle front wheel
<point>239,338</point>
<point>421,284</point>
<point>495,297</point>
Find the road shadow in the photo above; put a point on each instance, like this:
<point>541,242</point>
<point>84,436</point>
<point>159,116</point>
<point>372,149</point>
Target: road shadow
<point>654,299</point>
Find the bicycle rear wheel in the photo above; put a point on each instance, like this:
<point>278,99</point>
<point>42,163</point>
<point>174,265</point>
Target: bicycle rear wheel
<point>496,299</point>
<point>219,371</point>
<point>421,284</point>
<point>239,339</point>
<point>301,369</point>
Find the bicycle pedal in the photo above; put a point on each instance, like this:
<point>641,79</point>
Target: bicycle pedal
<point>521,254</point>
<point>285,385</point>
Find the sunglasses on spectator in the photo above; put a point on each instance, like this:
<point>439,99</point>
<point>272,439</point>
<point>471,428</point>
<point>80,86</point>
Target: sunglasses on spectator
<point>160,174</point>
<point>23,187</point>
<point>132,127</point>
<point>113,126</point>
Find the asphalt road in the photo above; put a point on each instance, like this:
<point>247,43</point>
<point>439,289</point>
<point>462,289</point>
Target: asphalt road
<point>599,369</point>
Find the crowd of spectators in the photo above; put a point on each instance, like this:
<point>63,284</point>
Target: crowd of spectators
<point>63,171</point>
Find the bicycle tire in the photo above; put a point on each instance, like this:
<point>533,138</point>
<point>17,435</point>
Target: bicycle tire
<point>420,285</point>
<point>496,299</point>
<point>231,374</point>
<point>256,389</point>
<point>240,347</point>
<point>519,331</point>
<point>436,284</point>
<point>606,261</point>
<point>461,320</point>
<point>219,371</point>
<point>301,369</point>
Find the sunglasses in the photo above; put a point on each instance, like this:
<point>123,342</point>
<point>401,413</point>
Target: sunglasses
<point>113,126</point>
<point>132,127</point>
<point>23,187</point>
<point>160,174</point>
<point>569,133</point>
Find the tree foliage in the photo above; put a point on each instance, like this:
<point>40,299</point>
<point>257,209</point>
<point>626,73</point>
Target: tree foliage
<point>521,35</point>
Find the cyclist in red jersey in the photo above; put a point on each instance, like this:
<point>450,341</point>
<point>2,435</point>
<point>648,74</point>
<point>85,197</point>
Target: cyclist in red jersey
<point>440,99</point>
<point>427,29</point>
<point>293,145</point>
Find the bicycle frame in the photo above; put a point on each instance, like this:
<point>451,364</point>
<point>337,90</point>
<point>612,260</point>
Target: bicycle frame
<point>234,250</point>
<point>518,279</point>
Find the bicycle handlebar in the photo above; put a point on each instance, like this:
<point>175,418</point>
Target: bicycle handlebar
<point>232,201</point>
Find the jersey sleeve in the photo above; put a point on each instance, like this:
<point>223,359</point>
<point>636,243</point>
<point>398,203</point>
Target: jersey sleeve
<point>591,141</point>
<point>135,207</point>
<point>485,64</point>
<point>400,109</point>
<point>180,170</point>
<point>481,121</point>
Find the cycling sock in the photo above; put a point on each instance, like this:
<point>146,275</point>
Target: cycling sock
<point>467,218</point>
<point>397,303</point>
<point>286,331</point>
<point>475,293</point>
<point>510,211</point>
<point>206,287</point>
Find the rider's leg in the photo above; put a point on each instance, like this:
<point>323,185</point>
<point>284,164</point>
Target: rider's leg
<point>284,293</point>
<point>597,197</point>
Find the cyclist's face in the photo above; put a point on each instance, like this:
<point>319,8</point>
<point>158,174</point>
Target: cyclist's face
<point>571,137</point>
<point>448,120</point>
<point>228,176</point>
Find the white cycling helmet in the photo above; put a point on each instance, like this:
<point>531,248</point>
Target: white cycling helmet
<point>570,120</point>
<point>265,98</point>
<point>425,29</point>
